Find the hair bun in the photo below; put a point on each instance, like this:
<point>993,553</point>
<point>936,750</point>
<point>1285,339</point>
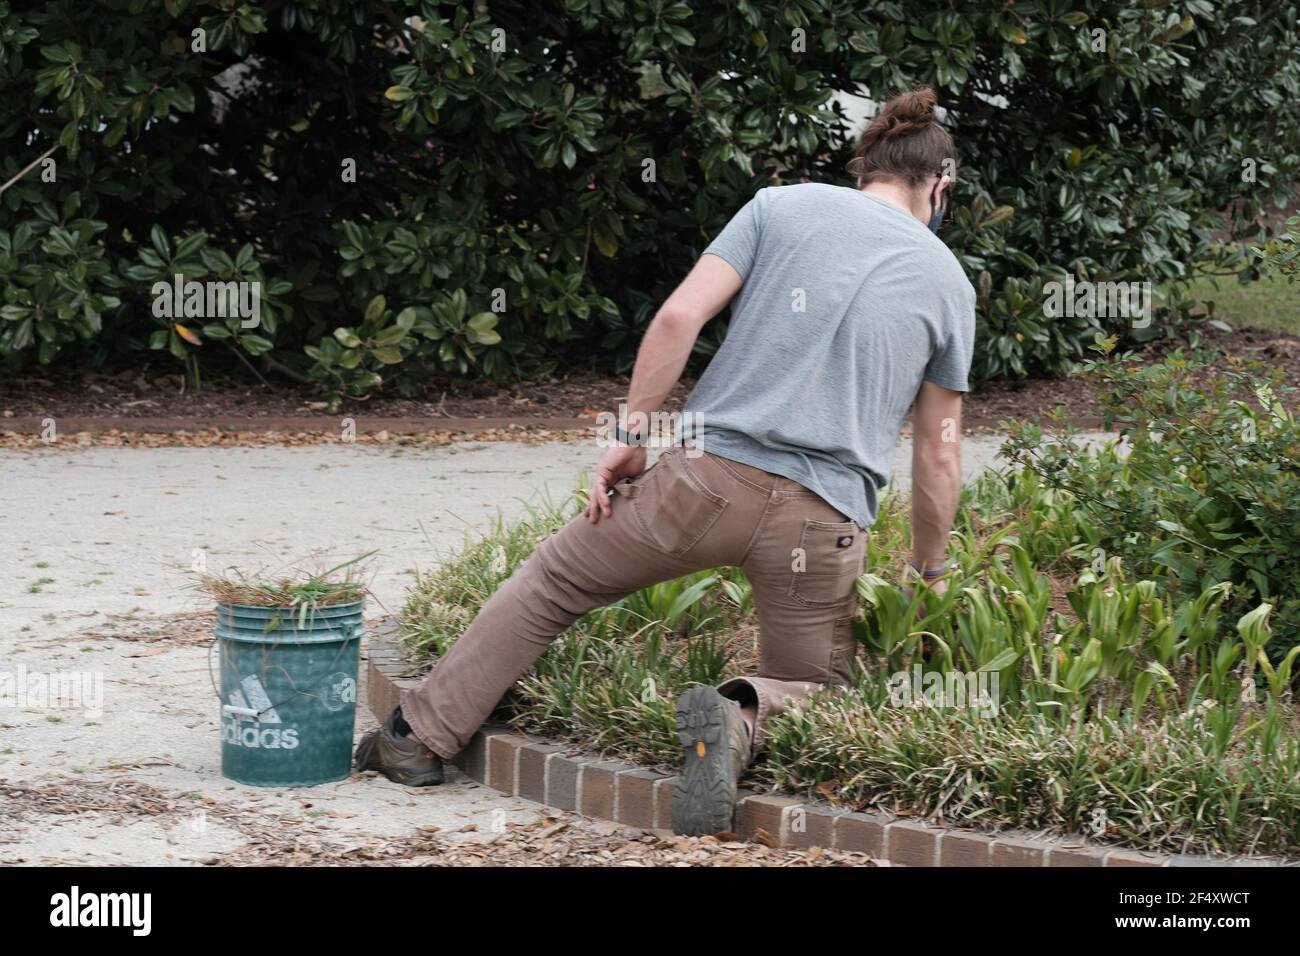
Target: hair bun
<point>903,141</point>
<point>905,113</point>
<point>916,105</point>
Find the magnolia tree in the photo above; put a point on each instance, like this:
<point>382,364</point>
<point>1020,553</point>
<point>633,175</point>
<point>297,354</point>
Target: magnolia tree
<point>356,192</point>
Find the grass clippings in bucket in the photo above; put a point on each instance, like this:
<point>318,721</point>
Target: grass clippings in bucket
<point>302,591</point>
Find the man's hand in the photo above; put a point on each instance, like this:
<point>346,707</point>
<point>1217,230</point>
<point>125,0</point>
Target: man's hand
<point>619,461</point>
<point>937,587</point>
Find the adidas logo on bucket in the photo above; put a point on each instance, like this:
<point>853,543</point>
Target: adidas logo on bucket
<point>243,719</point>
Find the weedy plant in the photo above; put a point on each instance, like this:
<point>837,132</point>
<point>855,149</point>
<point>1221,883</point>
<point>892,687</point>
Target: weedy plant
<point>298,594</point>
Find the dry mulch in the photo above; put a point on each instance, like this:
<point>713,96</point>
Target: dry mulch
<point>153,408</point>
<point>328,435</point>
<point>559,839</point>
<point>154,392</point>
<point>185,629</point>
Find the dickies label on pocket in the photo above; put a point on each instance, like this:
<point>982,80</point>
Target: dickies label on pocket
<point>834,559</point>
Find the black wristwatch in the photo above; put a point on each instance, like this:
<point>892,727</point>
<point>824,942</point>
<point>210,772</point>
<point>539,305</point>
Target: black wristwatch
<point>626,438</point>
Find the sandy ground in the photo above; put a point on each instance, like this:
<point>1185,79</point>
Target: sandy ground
<point>96,547</point>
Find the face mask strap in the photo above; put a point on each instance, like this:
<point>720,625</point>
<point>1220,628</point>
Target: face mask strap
<point>936,214</point>
<point>939,216</point>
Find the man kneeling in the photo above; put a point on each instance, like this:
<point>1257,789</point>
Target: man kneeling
<point>848,311</point>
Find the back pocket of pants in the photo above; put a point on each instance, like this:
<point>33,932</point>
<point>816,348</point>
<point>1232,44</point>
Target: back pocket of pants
<point>828,562</point>
<point>673,506</point>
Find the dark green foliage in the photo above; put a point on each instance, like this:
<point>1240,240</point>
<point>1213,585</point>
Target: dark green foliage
<point>500,222</point>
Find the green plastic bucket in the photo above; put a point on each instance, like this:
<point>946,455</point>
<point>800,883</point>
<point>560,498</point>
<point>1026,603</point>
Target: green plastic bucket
<point>288,693</point>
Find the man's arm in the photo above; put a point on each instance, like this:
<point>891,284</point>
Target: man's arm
<point>659,362</point>
<point>936,472</point>
<point>671,336</point>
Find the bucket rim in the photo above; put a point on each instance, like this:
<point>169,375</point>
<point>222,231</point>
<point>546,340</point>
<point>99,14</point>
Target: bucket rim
<point>342,606</point>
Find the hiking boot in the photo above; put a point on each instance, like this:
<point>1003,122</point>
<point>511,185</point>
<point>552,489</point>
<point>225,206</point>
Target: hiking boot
<point>398,754</point>
<point>715,752</point>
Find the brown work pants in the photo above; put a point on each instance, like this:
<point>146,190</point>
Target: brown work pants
<point>690,511</point>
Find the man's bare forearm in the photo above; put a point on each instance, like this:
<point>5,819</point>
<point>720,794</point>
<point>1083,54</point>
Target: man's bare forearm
<point>659,363</point>
<point>936,486</point>
<point>671,337</point>
<point>936,471</point>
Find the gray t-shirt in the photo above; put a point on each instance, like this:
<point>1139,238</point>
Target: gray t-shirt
<point>848,303</point>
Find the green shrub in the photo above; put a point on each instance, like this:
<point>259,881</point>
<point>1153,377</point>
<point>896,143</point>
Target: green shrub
<point>1282,255</point>
<point>1122,648</point>
<point>1204,488</point>
<point>500,223</point>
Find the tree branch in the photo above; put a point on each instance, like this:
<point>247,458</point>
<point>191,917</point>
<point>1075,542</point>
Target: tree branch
<point>28,168</point>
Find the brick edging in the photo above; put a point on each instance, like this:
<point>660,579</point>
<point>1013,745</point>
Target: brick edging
<point>558,776</point>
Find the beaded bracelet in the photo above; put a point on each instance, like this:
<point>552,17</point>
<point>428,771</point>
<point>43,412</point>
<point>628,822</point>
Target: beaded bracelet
<point>932,573</point>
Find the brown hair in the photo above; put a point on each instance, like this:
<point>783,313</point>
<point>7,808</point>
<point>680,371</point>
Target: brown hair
<point>904,141</point>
